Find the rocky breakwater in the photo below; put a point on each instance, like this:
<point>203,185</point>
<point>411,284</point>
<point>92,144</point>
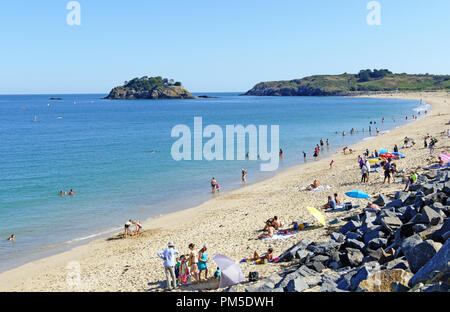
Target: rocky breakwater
<point>402,247</point>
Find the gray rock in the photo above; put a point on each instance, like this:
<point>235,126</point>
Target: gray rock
<point>417,228</point>
<point>415,187</point>
<point>419,202</point>
<point>420,254</point>
<point>439,287</point>
<point>289,254</point>
<point>399,287</point>
<point>354,257</point>
<point>409,243</point>
<point>352,235</point>
<point>360,276</point>
<point>391,223</point>
<point>396,203</point>
<point>430,216</point>
<point>371,235</point>
<point>410,212</point>
<point>323,248</point>
<point>320,258</point>
<point>399,263</point>
<point>338,237</point>
<point>428,189</point>
<point>344,281</point>
<point>311,277</point>
<point>329,286</point>
<point>316,265</point>
<point>439,234</point>
<point>349,227</point>
<point>381,200</point>
<point>416,219</point>
<point>401,195</point>
<point>296,285</point>
<point>353,243</point>
<point>377,243</point>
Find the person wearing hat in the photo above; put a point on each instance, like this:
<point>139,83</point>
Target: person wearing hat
<point>202,263</point>
<point>168,255</point>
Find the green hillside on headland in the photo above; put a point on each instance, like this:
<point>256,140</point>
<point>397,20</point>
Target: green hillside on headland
<point>150,88</point>
<point>366,81</point>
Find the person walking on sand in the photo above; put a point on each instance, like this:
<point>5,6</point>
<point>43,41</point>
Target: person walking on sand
<point>213,184</point>
<point>244,175</point>
<point>193,262</point>
<point>202,263</point>
<point>168,255</point>
<point>387,171</point>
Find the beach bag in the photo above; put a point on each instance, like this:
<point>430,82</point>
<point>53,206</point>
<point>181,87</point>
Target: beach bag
<point>253,276</point>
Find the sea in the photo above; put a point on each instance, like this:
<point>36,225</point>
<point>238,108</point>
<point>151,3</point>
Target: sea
<point>116,157</point>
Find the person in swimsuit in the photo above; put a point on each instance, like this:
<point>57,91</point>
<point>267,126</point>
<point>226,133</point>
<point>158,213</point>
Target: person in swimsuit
<point>11,238</point>
<point>202,263</point>
<point>387,171</point>
<point>127,228</point>
<point>244,175</point>
<point>70,192</point>
<point>138,227</point>
<point>213,184</point>
<point>193,262</point>
<point>268,256</point>
<point>281,153</point>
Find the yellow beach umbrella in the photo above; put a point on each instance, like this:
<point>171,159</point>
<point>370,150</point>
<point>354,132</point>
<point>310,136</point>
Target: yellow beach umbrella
<point>318,215</point>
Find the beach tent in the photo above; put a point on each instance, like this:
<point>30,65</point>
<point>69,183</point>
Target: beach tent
<point>444,157</point>
<point>317,214</point>
<point>383,150</point>
<point>231,273</point>
<point>357,194</point>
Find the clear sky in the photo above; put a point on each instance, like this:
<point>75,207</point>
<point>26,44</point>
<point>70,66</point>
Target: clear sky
<point>213,45</point>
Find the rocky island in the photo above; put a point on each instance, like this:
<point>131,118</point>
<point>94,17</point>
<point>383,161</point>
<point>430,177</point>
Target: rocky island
<point>150,88</point>
<point>366,81</point>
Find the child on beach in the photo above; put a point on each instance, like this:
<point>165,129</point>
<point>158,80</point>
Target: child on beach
<point>213,184</point>
<point>331,164</point>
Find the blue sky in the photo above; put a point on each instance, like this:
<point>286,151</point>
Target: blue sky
<point>213,45</point>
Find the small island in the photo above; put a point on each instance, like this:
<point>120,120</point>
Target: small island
<point>150,88</point>
<point>366,81</point>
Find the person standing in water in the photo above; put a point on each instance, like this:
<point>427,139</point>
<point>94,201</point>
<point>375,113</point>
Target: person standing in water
<point>244,175</point>
<point>281,153</point>
<point>11,238</point>
<point>213,184</point>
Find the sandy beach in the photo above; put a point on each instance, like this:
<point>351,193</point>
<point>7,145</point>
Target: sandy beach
<point>230,223</point>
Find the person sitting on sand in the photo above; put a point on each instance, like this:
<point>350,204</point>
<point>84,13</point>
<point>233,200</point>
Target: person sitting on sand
<point>411,180</point>
<point>11,238</point>
<point>331,204</point>
<point>268,256</point>
<point>274,222</point>
<point>336,199</point>
<point>345,150</point>
<point>441,161</point>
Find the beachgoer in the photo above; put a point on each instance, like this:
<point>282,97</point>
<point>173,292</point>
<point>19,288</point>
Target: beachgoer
<point>331,164</point>
<point>367,165</point>
<point>336,199</point>
<point>127,228</point>
<point>321,142</point>
<point>213,184</point>
<point>304,154</point>
<point>281,153</point>
<point>345,150</point>
<point>217,273</point>
<point>268,256</point>
<point>193,262</point>
<point>395,148</point>
<point>273,222</point>
<point>70,192</point>
<point>202,263</point>
<point>61,193</point>
<point>217,188</point>
<point>11,238</point>
<point>138,228</point>
<point>328,143</point>
<point>441,161</point>
<point>270,232</point>
<point>412,179</point>
<point>168,255</point>
<point>315,184</point>
<point>387,171</point>
<point>331,203</point>
<point>244,174</point>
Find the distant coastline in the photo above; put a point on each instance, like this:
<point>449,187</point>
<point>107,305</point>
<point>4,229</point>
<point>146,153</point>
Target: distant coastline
<point>366,82</point>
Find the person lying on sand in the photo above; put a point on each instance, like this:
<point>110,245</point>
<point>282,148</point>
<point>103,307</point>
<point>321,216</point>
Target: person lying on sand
<point>270,232</point>
<point>315,184</point>
<point>268,256</point>
<point>372,206</point>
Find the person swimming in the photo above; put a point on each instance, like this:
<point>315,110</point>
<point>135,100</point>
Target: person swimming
<point>11,238</point>
<point>70,192</point>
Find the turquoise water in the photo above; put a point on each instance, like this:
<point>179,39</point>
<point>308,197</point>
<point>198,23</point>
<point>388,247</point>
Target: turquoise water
<point>102,149</point>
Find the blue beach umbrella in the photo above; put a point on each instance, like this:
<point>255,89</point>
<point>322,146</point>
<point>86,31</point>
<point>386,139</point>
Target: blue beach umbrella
<point>357,194</point>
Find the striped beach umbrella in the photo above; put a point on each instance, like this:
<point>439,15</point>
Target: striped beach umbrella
<point>444,157</point>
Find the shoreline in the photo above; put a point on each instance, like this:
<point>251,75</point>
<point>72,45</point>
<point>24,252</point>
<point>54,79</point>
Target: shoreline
<point>156,228</point>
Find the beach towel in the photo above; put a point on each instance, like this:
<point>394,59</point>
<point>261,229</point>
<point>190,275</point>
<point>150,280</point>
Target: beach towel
<point>320,188</point>
<point>251,261</point>
<point>281,235</point>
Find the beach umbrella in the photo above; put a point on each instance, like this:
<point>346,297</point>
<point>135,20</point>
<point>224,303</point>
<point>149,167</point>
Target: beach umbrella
<point>317,214</point>
<point>444,157</point>
<point>230,271</point>
<point>357,194</point>
<point>383,150</point>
